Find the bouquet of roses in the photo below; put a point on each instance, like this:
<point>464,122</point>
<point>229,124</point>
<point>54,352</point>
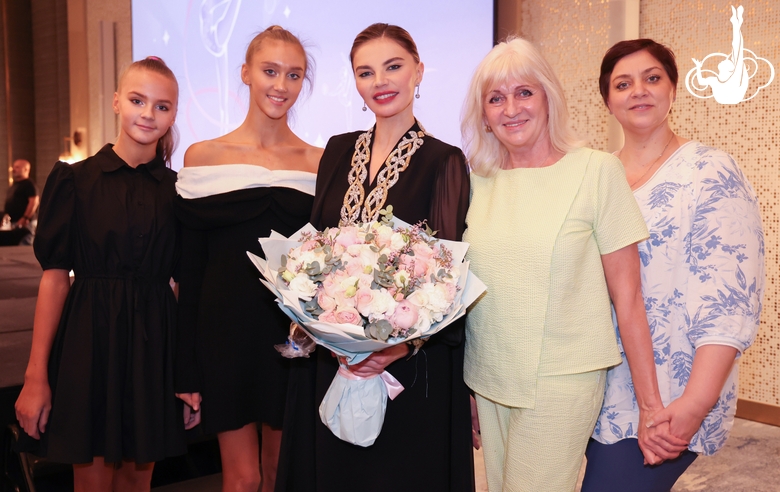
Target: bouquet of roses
<point>359,289</point>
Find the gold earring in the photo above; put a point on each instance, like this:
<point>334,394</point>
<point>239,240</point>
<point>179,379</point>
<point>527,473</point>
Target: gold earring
<point>488,129</point>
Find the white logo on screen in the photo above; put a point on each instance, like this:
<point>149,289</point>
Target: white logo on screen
<point>217,20</point>
<point>729,85</point>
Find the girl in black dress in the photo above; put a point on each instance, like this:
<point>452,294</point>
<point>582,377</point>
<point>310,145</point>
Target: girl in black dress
<point>235,189</point>
<point>98,389</point>
<point>425,443</point>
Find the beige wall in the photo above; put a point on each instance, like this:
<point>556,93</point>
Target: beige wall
<point>575,34</point>
<point>88,100</point>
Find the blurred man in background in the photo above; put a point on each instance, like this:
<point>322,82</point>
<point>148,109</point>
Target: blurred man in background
<point>21,203</point>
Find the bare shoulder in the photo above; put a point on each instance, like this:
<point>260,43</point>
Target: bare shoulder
<point>301,156</point>
<point>312,156</point>
<point>203,153</point>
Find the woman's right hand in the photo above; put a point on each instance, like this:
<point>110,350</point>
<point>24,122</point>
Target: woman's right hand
<point>33,407</point>
<point>191,409</point>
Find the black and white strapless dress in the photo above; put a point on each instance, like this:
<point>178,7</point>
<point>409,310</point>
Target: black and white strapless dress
<point>228,321</point>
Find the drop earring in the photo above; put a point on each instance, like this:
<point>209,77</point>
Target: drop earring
<point>417,94</point>
<point>364,106</point>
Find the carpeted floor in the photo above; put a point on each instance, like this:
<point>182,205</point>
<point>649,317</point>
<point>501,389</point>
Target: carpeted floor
<point>750,462</point>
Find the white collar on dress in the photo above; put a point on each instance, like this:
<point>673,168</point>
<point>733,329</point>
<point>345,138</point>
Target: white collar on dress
<point>202,181</point>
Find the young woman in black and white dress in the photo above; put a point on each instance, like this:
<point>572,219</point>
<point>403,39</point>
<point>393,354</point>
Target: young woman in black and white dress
<point>233,190</point>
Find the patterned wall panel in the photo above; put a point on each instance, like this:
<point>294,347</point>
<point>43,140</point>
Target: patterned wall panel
<point>574,35</point>
<point>749,131</point>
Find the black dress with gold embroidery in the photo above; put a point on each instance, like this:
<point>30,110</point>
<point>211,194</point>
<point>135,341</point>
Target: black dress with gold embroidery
<point>425,443</point>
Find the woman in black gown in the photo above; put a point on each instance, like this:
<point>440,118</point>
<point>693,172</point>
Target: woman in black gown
<point>425,443</point>
<point>233,190</point>
<point>98,388</point>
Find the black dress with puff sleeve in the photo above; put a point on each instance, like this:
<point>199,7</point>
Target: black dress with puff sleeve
<point>425,443</point>
<point>111,363</point>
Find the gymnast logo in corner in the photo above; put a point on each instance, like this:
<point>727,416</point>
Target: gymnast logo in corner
<point>730,83</point>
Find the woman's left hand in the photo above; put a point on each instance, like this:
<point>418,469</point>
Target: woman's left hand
<point>683,415</point>
<point>712,365</point>
<point>375,363</point>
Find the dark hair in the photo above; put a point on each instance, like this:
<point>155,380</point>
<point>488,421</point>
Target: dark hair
<point>380,30</point>
<point>167,143</point>
<point>624,48</point>
<point>278,33</point>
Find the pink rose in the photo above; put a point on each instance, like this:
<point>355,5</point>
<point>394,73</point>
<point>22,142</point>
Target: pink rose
<point>364,298</point>
<point>338,250</point>
<point>328,317</point>
<point>354,267</point>
<point>309,245</point>
<point>330,287</point>
<point>405,315</point>
<point>343,300</point>
<point>422,251</point>
<point>347,237</point>
<point>420,265</point>
<point>452,289</point>
<point>365,280</point>
<point>325,301</point>
<point>349,315</point>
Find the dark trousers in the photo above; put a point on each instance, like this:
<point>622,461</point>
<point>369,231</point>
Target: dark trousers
<point>620,467</point>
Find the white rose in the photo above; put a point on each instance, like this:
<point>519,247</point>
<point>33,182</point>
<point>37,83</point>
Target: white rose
<point>439,302</point>
<point>401,278</point>
<point>310,257</point>
<point>423,321</point>
<point>364,252</point>
<point>293,264</point>
<point>397,241</point>
<point>348,282</point>
<point>419,298</point>
<point>383,304</point>
<point>303,286</point>
<point>383,234</point>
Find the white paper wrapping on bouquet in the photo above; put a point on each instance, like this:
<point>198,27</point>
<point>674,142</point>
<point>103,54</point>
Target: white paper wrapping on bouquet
<point>354,409</point>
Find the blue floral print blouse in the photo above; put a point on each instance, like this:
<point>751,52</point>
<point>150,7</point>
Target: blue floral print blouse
<point>702,273</point>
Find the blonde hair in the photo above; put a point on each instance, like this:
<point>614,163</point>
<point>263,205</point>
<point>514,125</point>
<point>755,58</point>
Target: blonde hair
<point>278,33</point>
<point>513,59</point>
<point>166,145</point>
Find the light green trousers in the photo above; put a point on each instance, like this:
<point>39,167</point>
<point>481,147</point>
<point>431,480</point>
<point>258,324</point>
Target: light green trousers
<point>541,449</point>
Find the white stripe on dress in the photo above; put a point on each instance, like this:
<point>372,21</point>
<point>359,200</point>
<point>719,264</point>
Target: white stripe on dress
<point>202,181</point>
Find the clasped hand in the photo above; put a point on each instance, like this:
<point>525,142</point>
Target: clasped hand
<point>664,434</point>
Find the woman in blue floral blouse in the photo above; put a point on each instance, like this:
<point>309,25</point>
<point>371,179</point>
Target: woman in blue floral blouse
<point>702,272</point>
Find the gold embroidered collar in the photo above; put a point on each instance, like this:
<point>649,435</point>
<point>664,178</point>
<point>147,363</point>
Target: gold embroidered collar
<point>361,208</point>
